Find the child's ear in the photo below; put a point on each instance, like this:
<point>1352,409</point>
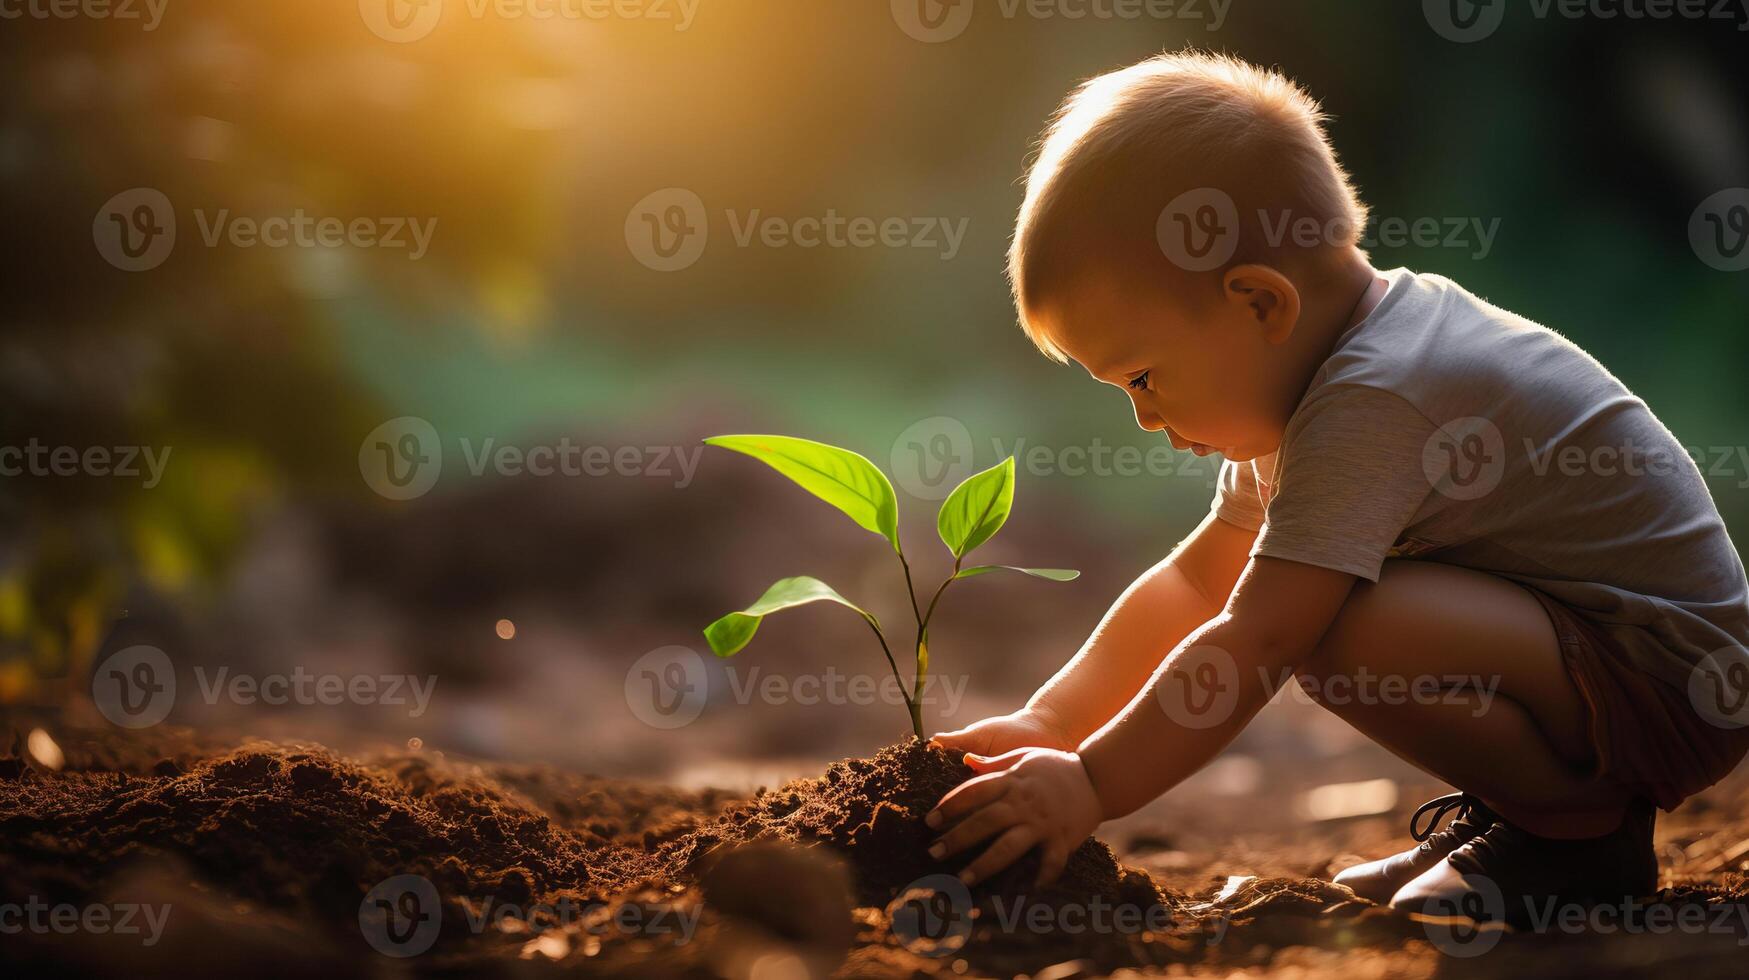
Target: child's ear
<point>1269,298</point>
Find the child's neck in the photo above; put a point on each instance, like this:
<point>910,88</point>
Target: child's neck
<point>1331,303</point>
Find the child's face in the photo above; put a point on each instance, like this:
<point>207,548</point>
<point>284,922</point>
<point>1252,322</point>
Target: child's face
<point>1209,372</point>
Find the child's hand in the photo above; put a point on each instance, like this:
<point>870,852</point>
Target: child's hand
<point>1026,728</point>
<point>1024,799</point>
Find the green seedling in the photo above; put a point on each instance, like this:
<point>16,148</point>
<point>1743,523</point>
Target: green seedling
<point>970,516</point>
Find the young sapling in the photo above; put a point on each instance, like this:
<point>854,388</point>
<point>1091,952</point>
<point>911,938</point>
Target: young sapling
<point>969,516</point>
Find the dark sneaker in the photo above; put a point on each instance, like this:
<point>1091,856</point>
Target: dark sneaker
<point>1508,874</point>
<point>1378,881</point>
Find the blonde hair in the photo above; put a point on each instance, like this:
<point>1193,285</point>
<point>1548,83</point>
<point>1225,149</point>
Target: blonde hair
<point>1126,144</point>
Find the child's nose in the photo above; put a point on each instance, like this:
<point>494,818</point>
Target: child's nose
<point>1146,418</point>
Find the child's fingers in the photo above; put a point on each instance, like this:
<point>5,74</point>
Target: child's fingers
<point>963,799</point>
<point>964,740</point>
<point>994,763</point>
<point>984,738</point>
<point>1054,859</point>
<point>1008,848</point>
<point>982,825</point>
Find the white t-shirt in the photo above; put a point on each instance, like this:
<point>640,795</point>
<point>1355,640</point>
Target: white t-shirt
<point>1447,429</point>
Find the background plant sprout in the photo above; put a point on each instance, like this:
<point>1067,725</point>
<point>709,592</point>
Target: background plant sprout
<point>970,516</point>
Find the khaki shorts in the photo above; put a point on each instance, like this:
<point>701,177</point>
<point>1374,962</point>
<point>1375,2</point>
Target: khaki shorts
<point>1647,734</point>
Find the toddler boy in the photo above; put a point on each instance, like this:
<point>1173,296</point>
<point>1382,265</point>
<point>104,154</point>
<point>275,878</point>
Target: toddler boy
<point>1415,483</point>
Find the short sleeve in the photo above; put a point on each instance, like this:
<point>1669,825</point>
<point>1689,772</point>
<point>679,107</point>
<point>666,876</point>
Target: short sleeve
<point>1238,499</point>
<point>1350,480</point>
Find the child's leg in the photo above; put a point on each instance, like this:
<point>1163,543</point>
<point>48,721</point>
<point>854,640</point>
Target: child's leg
<point>1526,751</point>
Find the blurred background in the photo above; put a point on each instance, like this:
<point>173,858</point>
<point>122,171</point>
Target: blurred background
<point>422,309</point>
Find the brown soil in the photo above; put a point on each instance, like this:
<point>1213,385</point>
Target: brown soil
<point>265,852</point>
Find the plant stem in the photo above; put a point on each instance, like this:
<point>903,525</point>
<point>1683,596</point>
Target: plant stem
<point>910,590</point>
<point>916,698</point>
<point>893,664</point>
<point>914,702</point>
<point>937,597</point>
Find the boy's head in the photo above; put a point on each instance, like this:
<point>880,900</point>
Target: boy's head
<point>1181,217</point>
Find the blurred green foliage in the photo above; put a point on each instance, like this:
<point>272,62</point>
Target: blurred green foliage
<point>529,140</point>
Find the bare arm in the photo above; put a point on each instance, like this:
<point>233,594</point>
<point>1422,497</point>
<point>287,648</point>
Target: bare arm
<point>1275,618</point>
<point>1205,693</point>
<point>1184,591</point>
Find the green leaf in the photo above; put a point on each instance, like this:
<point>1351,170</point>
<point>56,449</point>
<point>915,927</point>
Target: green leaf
<point>977,508</point>
<point>1054,574</point>
<point>727,636</point>
<point>840,477</point>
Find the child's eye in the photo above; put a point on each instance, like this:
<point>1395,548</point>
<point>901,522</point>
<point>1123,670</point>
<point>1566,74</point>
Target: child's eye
<point>1139,382</point>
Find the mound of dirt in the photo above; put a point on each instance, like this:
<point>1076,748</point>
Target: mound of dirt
<point>303,832</point>
<point>870,812</point>
<point>271,854</point>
